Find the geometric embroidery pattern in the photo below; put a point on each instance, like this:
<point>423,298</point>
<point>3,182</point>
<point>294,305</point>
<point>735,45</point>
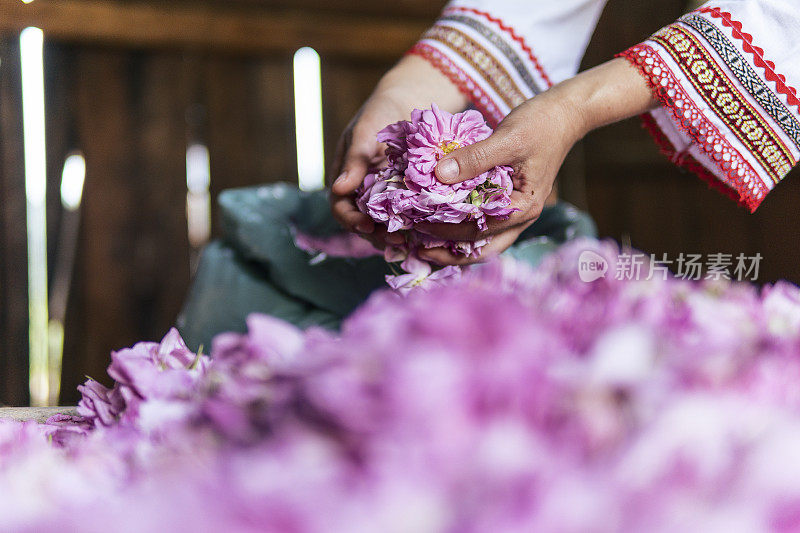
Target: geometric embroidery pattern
<point>481,60</point>
<point>746,75</point>
<point>500,44</point>
<point>735,172</point>
<point>726,101</point>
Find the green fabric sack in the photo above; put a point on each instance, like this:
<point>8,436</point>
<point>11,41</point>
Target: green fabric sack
<point>257,268</point>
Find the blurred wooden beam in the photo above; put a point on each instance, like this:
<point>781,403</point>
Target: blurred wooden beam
<point>426,10</point>
<point>237,29</point>
<point>13,238</point>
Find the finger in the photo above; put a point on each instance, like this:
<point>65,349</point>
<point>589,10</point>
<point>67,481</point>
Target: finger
<point>528,205</point>
<point>362,155</point>
<point>473,160</point>
<point>347,214</point>
<point>444,257</point>
<point>336,168</point>
<point>395,238</point>
<point>352,176</point>
<point>380,238</point>
<point>499,244</point>
<point>465,231</point>
<point>377,238</point>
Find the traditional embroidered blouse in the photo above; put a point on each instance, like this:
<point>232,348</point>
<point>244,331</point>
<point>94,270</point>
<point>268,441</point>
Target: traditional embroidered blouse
<point>723,74</point>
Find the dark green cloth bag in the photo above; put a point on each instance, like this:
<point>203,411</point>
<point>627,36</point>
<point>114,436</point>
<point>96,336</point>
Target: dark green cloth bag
<point>256,267</point>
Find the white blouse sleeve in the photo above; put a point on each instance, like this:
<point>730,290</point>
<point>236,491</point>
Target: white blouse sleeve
<point>724,75</point>
<point>503,52</point>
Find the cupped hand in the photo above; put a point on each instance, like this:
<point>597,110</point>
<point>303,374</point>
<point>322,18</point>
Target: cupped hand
<point>533,139</point>
<point>413,83</point>
<point>357,153</point>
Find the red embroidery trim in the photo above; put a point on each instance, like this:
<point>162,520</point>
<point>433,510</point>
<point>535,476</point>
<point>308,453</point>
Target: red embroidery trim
<point>690,119</point>
<point>757,53</point>
<point>689,163</point>
<point>693,59</point>
<point>481,60</point>
<point>482,101</point>
<point>510,30</point>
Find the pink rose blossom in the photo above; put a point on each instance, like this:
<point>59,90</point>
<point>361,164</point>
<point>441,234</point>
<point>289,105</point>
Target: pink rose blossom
<point>420,274</point>
<point>167,371</point>
<point>434,134</point>
<point>407,192</point>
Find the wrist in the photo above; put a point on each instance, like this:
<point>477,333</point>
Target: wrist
<point>606,94</point>
<point>417,83</point>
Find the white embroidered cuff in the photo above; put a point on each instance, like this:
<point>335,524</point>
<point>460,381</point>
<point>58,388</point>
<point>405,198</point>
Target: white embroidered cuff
<point>486,58</point>
<point>725,113</point>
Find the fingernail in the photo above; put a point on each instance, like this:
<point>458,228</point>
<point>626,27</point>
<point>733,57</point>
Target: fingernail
<point>395,238</point>
<point>341,178</point>
<point>448,169</point>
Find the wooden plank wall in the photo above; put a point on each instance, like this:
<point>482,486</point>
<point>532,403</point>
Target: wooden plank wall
<point>133,270</point>
<point>219,25</point>
<point>13,276</point>
<point>132,101</point>
<point>132,110</point>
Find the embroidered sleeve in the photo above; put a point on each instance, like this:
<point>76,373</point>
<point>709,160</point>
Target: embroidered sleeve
<point>503,52</point>
<point>723,74</point>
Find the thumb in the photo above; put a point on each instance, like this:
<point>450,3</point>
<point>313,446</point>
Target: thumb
<point>471,161</point>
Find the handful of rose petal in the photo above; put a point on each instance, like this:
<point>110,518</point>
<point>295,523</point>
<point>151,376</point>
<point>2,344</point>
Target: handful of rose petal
<point>407,192</point>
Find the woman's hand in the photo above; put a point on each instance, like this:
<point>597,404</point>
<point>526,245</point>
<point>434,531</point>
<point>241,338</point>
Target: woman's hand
<point>413,83</point>
<point>534,139</point>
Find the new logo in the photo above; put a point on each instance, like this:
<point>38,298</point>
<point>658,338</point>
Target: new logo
<point>591,266</point>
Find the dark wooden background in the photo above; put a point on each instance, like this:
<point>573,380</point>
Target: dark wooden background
<point>130,83</point>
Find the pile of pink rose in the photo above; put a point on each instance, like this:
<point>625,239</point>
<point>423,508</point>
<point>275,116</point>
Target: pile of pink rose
<point>507,400</point>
